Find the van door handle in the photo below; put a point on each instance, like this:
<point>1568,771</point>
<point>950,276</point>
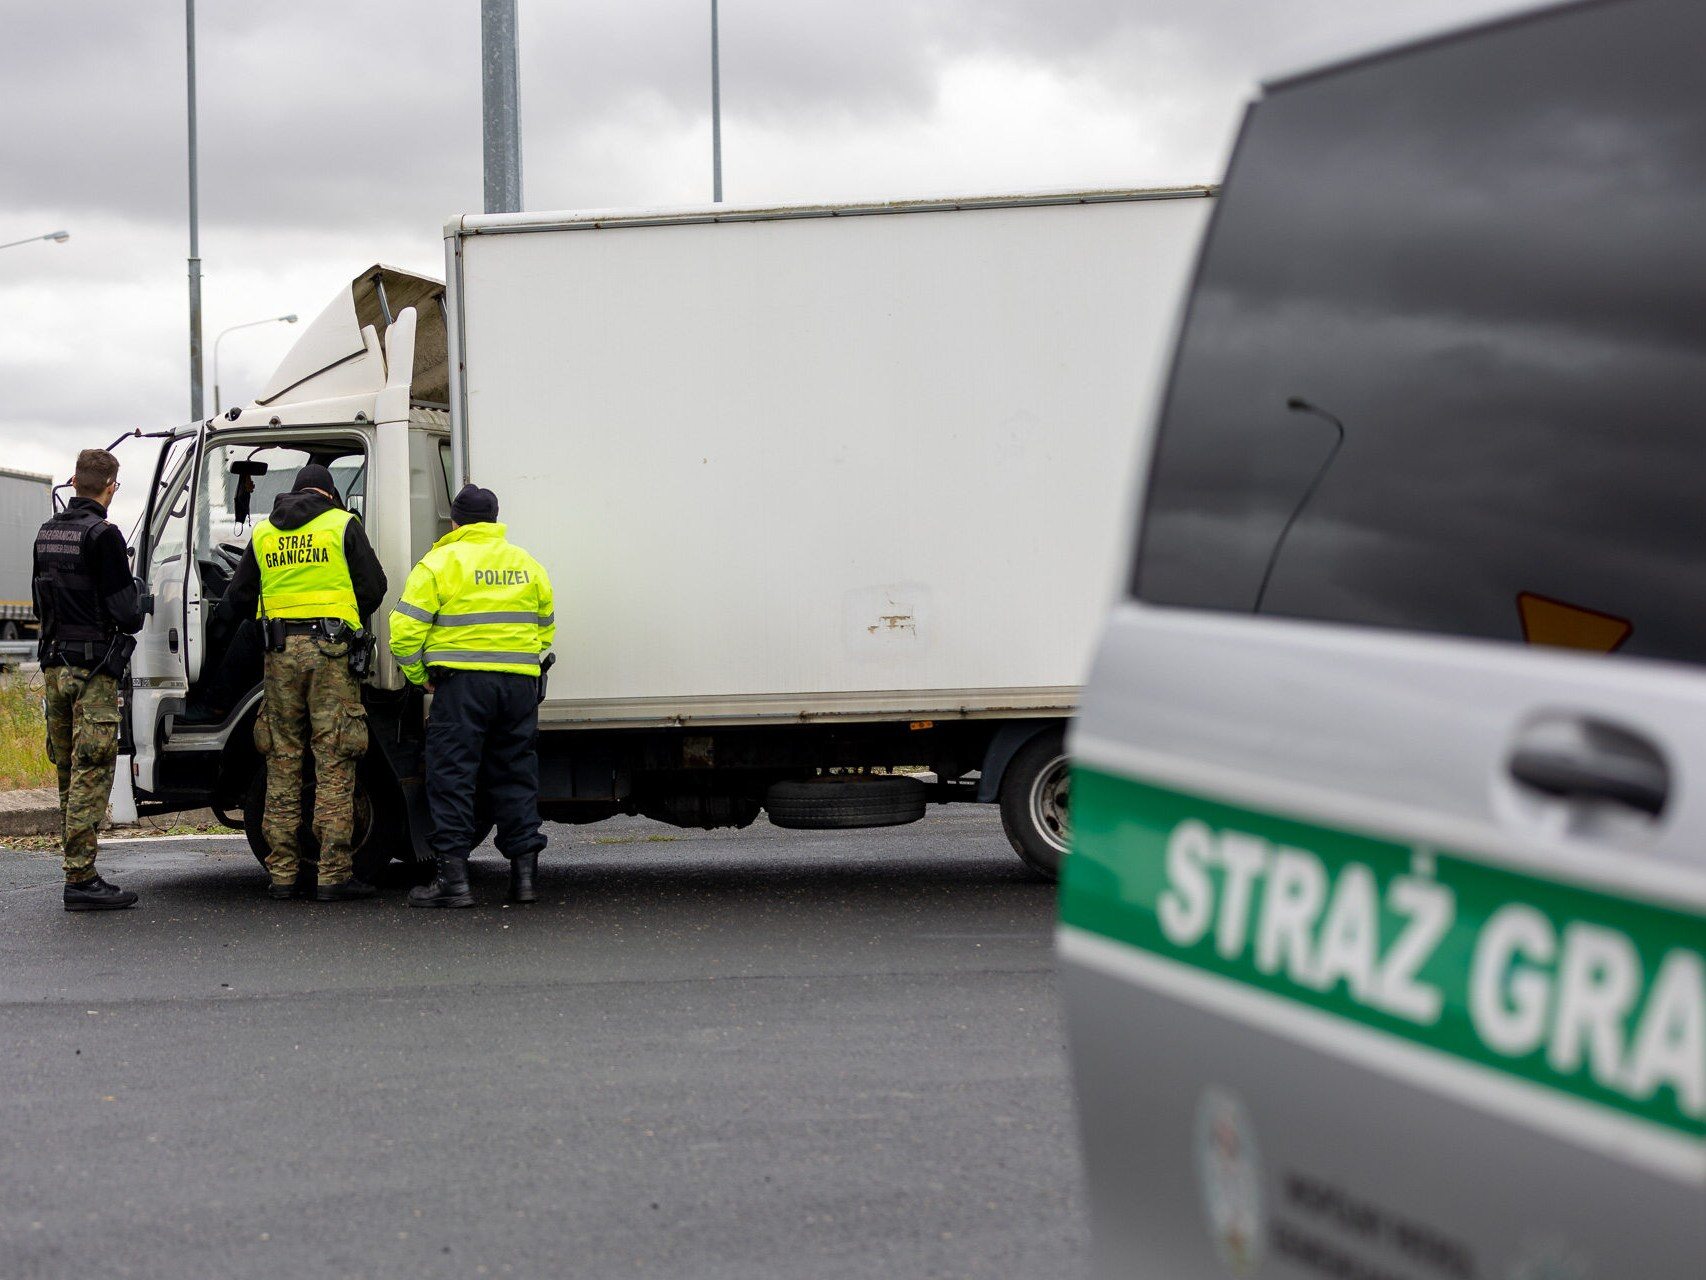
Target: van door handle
<point>1606,763</point>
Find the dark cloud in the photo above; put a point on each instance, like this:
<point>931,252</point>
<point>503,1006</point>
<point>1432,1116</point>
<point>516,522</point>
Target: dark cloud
<point>368,114</point>
<point>337,134</point>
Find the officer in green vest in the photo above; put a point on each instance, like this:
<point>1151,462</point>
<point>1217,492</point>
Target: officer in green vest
<point>315,576</point>
<point>475,625</point>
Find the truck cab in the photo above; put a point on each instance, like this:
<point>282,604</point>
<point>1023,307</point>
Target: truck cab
<point>363,392</point>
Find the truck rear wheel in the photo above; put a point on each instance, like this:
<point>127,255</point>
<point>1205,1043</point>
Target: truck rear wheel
<point>370,854</point>
<point>1035,794</point>
<point>844,801</point>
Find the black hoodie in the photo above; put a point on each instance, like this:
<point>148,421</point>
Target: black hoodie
<point>292,511</point>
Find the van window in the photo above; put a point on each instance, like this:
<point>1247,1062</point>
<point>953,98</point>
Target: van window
<point>1445,363</point>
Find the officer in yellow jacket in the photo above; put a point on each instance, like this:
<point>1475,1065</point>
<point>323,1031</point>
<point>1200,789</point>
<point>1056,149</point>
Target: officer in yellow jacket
<point>475,626</point>
<point>313,573</point>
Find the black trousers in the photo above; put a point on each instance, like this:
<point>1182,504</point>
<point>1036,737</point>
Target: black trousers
<point>480,742</point>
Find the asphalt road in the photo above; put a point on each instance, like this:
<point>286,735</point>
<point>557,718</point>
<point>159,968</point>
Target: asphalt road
<point>744,1054</point>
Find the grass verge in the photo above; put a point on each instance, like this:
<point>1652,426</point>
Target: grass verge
<point>23,735</point>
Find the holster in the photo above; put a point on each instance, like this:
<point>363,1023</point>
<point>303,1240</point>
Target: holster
<point>118,654</point>
<point>545,665</point>
<point>361,647</point>
<point>275,635</point>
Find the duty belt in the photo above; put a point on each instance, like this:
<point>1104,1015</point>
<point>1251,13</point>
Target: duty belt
<point>84,653</point>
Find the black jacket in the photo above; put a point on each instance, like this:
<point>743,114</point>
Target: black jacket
<point>81,581</point>
<point>292,511</point>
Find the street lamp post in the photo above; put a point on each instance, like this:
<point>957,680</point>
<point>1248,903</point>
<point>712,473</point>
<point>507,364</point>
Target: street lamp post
<point>1297,404</point>
<point>500,105</point>
<point>195,222</point>
<point>58,237</point>
<point>716,112</point>
<point>248,324</point>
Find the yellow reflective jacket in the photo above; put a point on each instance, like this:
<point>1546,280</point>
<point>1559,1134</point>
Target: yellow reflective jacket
<point>475,602</point>
<point>304,573</point>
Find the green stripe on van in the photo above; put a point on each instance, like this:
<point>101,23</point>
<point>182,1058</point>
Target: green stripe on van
<point>1593,995</point>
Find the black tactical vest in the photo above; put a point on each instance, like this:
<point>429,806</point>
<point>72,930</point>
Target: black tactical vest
<point>74,622</point>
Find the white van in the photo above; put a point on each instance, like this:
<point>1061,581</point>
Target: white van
<point>1384,930</point>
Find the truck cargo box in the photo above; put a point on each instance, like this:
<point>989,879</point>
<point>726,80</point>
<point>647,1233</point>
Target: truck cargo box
<point>25,501</point>
<point>849,462</point>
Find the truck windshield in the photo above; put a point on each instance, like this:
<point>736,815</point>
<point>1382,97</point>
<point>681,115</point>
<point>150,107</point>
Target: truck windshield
<point>240,481</point>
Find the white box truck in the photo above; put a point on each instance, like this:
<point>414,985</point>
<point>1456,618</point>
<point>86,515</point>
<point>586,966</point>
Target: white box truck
<point>826,493</point>
<point>25,503</point>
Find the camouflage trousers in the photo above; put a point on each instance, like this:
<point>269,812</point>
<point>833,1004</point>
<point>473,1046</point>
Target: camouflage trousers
<point>82,742</point>
<point>310,700</point>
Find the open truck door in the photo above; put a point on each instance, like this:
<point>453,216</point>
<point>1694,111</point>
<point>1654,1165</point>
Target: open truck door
<point>160,669</point>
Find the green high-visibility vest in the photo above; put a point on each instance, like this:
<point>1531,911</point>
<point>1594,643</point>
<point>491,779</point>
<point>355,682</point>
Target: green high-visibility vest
<point>303,571</point>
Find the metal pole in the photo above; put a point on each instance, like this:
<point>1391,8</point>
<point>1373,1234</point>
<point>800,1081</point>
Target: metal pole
<point>716,112</point>
<point>499,106</point>
<point>195,229</point>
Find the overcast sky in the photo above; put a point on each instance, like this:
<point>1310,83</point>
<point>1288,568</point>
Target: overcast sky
<point>336,135</point>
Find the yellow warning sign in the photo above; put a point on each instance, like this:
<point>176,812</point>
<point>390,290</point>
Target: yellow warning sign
<point>1570,626</point>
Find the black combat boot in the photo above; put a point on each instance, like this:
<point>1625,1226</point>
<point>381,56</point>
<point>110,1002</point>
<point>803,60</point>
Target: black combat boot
<point>448,889</point>
<point>97,895</point>
<point>521,869</point>
<point>343,891</point>
<point>281,892</point>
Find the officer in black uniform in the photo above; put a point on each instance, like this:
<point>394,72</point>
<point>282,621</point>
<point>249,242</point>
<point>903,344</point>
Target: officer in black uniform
<point>89,607</point>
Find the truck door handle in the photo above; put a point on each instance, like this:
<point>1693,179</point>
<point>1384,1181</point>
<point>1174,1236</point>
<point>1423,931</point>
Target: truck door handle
<point>1604,762</point>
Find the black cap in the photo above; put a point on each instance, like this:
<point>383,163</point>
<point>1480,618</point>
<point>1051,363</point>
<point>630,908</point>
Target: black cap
<point>314,476</point>
<point>474,505</point>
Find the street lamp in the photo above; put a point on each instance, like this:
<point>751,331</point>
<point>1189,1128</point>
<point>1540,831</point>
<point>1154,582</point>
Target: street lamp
<point>1297,404</point>
<point>58,237</point>
<point>716,112</point>
<point>249,324</point>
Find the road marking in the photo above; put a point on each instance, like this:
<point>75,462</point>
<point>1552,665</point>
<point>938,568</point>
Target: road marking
<point>238,835</point>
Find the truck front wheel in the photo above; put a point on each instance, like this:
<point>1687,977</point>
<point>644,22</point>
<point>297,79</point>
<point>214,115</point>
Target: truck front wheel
<point>370,854</point>
<point>1035,809</point>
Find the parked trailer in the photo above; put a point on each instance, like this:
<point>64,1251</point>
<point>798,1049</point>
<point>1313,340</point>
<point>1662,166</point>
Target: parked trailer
<point>828,494</point>
<point>26,500</point>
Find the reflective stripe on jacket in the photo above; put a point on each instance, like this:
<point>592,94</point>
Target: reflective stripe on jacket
<point>475,602</point>
<point>303,571</point>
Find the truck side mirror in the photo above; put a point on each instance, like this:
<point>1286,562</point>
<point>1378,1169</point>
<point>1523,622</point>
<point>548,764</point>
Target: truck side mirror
<point>245,470</point>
